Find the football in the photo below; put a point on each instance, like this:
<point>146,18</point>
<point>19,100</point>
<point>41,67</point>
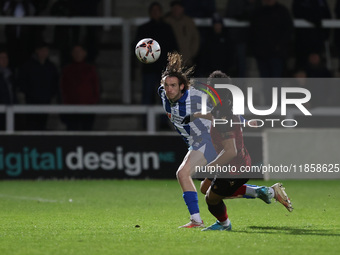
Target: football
<point>148,50</point>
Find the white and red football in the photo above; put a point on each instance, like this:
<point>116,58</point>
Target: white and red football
<point>148,50</point>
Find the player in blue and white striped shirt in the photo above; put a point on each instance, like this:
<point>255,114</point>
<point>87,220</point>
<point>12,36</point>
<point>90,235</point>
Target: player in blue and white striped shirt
<point>180,100</point>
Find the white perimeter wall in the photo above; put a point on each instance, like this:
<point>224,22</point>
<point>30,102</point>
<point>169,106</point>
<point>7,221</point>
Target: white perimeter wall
<point>302,146</point>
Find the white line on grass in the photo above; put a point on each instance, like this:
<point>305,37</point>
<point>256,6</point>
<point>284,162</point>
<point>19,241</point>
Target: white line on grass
<point>39,199</point>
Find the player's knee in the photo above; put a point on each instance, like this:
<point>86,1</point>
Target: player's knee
<point>207,199</point>
<point>181,174</point>
<point>211,199</point>
<point>178,174</point>
<point>203,188</point>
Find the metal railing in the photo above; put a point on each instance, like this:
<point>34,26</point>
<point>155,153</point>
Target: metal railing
<point>151,112</point>
<point>126,34</point>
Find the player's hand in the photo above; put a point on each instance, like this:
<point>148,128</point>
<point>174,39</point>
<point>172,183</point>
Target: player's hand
<point>187,119</point>
<point>252,123</point>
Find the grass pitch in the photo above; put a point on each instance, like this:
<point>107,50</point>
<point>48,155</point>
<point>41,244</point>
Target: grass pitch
<point>142,217</point>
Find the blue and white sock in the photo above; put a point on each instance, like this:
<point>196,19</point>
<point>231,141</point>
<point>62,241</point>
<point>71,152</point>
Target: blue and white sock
<point>251,191</point>
<point>191,200</point>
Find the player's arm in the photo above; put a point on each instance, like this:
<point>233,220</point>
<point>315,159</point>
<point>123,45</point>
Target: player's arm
<point>196,115</point>
<point>228,153</point>
<point>199,115</point>
<point>251,123</point>
<point>209,116</point>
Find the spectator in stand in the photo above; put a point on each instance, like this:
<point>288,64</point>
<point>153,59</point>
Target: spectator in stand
<point>199,8</point>
<point>240,10</point>
<point>40,10</point>
<point>185,30</point>
<point>310,40</point>
<point>20,39</point>
<point>79,86</point>
<point>321,91</point>
<point>162,32</point>
<point>87,8</point>
<point>215,55</point>
<point>324,92</point>
<point>7,95</point>
<point>337,32</point>
<point>64,37</point>
<point>316,67</point>
<point>40,6</point>
<point>38,79</point>
<point>271,33</point>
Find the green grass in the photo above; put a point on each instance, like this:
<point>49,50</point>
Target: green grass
<point>102,216</point>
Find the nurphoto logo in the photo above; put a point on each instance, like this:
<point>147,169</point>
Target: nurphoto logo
<point>238,104</point>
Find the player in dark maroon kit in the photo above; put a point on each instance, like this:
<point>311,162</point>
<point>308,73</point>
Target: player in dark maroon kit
<point>228,142</point>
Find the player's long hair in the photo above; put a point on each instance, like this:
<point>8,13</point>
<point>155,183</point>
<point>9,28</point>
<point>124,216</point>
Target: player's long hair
<point>175,68</point>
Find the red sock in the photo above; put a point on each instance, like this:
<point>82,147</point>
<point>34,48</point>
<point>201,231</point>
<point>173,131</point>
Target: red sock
<point>240,191</point>
<point>219,211</point>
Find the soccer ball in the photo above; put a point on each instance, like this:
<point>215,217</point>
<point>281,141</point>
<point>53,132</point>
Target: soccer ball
<point>148,50</point>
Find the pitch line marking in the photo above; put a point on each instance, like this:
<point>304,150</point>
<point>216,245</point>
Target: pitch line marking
<point>39,199</point>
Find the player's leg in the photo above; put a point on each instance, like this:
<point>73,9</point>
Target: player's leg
<point>205,184</point>
<point>276,191</point>
<point>184,173</point>
<point>281,196</point>
<point>220,189</point>
<point>217,208</point>
<point>254,191</point>
<point>186,169</point>
<point>209,154</point>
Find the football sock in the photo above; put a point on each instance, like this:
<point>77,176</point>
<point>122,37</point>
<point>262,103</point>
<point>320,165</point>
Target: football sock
<point>191,200</point>
<point>245,191</point>
<point>250,191</point>
<point>271,191</point>
<point>196,217</point>
<point>219,211</point>
<point>241,191</point>
<point>225,223</point>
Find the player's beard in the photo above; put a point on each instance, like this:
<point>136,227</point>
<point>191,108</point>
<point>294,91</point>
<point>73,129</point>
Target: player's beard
<point>175,98</point>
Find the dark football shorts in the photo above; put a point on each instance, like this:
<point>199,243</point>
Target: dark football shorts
<point>226,187</point>
<point>202,179</point>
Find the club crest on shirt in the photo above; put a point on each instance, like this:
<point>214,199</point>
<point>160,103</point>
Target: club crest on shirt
<point>174,118</point>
